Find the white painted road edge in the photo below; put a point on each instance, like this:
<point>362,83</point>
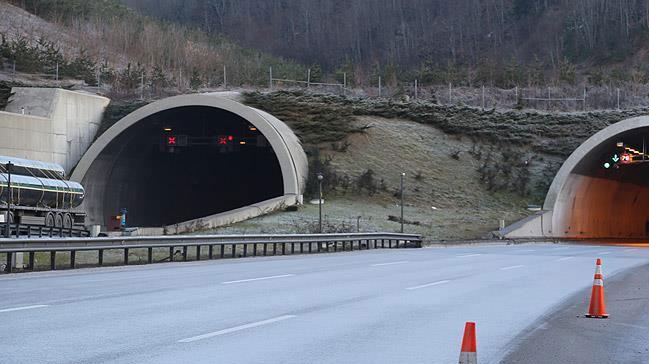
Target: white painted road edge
<point>428,285</point>
<point>512,267</point>
<point>391,263</point>
<point>468,255</point>
<point>23,308</point>
<point>236,328</point>
<point>564,258</point>
<point>258,279</point>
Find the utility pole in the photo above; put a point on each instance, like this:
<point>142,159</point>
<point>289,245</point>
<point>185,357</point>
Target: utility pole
<point>403,174</point>
<point>320,178</point>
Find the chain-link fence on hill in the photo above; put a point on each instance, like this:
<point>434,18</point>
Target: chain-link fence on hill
<point>140,84</point>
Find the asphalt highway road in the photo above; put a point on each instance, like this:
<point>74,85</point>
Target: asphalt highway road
<point>379,306</point>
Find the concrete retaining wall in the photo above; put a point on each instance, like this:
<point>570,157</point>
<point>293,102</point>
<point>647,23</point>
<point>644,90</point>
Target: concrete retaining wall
<point>50,125</point>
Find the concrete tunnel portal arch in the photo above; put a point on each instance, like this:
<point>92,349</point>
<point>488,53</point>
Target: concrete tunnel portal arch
<point>192,161</point>
<point>587,200</point>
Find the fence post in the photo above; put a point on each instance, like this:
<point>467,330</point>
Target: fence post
<point>344,81</point>
<point>141,86</point>
<point>270,78</point>
<point>416,89</point>
<point>379,86</point>
<point>618,99</point>
<point>483,97</point>
<point>57,72</point>
<point>450,93</point>
<point>308,78</point>
<point>584,98</point>
<point>225,78</point>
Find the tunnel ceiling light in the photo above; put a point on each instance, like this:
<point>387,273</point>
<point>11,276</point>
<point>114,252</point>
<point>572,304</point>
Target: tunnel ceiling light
<point>167,129</point>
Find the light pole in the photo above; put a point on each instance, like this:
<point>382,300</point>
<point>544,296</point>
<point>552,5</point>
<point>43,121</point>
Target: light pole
<point>401,194</point>
<point>10,199</point>
<point>320,178</point>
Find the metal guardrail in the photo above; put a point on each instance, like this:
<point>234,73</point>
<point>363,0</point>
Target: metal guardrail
<point>250,245</point>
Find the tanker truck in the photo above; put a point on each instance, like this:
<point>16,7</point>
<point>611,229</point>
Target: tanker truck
<point>34,193</point>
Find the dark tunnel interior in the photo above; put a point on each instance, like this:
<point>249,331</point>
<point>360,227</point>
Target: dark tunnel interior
<point>189,162</point>
<point>607,193</point>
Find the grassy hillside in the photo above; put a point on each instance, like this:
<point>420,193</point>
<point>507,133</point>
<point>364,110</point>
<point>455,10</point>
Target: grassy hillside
<point>515,151</point>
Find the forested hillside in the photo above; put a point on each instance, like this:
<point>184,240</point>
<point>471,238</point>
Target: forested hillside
<point>501,42</point>
<point>105,42</point>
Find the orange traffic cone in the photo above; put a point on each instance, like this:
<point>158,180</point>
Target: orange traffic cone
<point>468,354</point>
<point>597,307</point>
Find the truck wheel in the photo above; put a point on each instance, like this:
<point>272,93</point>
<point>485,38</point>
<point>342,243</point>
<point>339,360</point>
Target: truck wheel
<point>49,220</point>
<point>58,220</point>
<point>67,221</point>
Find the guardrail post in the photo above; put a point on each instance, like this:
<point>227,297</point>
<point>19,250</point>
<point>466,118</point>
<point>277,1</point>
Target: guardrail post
<point>198,252</point>
<point>184,253</point>
<point>265,248</point>
<point>310,247</point>
<point>100,257</point>
<point>210,252</point>
<point>150,255</point>
<point>10,263</point>
<point>234,250</point>
<point>302,248</point>
<point>274,248</point>
<point>222,251</point>
<point>53,260</point>
<point>125,256</point>
<point>283,248</point>
<point>171,254</point>
<point>245,250</point>
<point>31,261</point>
<point>254,249</point>
<point>336,246</point>
<point>40,231</point>
<point>292,248</point>
<point>73,259</point>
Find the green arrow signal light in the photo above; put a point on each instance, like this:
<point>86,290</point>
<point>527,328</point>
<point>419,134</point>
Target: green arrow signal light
<point>615,158</point>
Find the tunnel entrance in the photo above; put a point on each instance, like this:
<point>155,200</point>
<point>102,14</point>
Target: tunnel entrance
<point>185,163</point>
<point>606,195</point>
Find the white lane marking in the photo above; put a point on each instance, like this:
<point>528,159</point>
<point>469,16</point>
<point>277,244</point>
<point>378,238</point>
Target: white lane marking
<point>512,267</point>
<point>390,263</point>
<point>630,250</point>
<point>468,255</point>
<point>604,253</point>
<point>235,329</point>
<point>428,285</point>
<point>528,250</point>
<point>23,308</point>
<point>630,325</point>
<point>258,279</point>
<point>561,248</point>
<point>564,258</point>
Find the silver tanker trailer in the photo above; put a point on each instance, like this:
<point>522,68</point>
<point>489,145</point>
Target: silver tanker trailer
<point>39,195</point>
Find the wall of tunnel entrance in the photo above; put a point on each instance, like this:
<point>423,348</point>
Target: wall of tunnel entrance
<point>190,157</point>
<point>595,194</point>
